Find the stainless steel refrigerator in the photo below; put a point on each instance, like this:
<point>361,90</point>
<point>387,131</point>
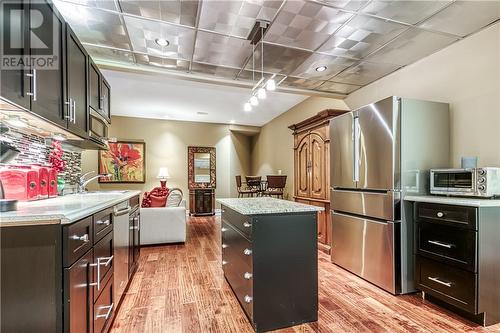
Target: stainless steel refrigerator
<point>379,153</point>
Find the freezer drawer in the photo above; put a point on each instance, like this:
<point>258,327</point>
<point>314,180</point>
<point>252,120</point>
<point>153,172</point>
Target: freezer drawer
<point>376,204</point>
<point>365,247</point>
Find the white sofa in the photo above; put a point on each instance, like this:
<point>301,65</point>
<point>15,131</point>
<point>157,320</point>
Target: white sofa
<point>160,225</point>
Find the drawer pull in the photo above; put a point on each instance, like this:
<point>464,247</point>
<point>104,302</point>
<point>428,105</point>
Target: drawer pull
<point>101,222</point>
<point>248,299</point>
<point>103,261</point>
<point>225,246</point>
<point>438,243</point>
<point>247,252</point>
<point>247,225</point>
<point>437,280</point>
<point>439,214</point>
<point>84,238</point>
<point>108,313</point>
<point>247,275</point>
<point>223,229</point>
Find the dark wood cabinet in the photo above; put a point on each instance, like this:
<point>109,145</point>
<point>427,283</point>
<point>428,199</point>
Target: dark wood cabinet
<point>94,87</point>
<point>456,249</point>
<point>312,169</point>
<point>271,263</point>
<point>106,100</point>
<point>202,202</point>
<point>76,77</point>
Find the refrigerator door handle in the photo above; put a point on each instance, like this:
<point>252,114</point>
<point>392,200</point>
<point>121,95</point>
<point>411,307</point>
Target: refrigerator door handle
<point>356,137</point>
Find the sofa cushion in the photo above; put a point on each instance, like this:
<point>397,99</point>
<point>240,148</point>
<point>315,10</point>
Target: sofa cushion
<point>158,201</point>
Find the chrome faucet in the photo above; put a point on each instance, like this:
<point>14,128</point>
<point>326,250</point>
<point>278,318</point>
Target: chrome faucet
<point>82,181</point>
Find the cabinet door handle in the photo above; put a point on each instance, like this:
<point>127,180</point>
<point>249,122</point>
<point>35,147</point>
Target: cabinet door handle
<point>437,280</point>
<point>103,261</point>
<point>225,246</point>
<point>101,222</point>
<point>439,214</point>
<point>108,313</point>
<point>248,275</point>
<point>69,104</point>
<point>247,252</point>
<point>438,243</point>
<point>247,225</point>
<point>84,238</point>
<point>33,93</point>
<point>223,229</point>
<point>248,299</point>
<point>74,111</point>
<point>224,262</point>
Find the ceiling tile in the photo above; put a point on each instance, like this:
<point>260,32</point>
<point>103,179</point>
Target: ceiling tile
<point>408,11</point>
<point>411,46</point>
<point>336,87</point>
<point>296,82</point>
<point>360,36</point>
<point>334,65</point>
<point>143,34</point>
<point>167,63</point>
<point>109,55</point>
<point>364,73</point>
<point>345,4</point>
<point>305,24</point>
<point>104,4</point>
<point>173,11</point>
<point>221,50</point>
<point>464,17</point>
<point>95,26</point>
<point>279,59</point>
<point>235,17</point>
<point>215,71</point>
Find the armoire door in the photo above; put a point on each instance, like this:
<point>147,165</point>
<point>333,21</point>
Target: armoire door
<point>302,167</point>
<point>317,171</point>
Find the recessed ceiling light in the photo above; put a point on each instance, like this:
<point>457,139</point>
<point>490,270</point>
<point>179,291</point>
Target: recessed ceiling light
<point>321,68</point>
<point>162,41</point>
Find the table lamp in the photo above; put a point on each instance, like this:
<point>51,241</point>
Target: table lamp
<point>162,176</point>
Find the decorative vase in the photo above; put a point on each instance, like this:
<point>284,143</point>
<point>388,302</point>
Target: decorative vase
<point>60,185</point>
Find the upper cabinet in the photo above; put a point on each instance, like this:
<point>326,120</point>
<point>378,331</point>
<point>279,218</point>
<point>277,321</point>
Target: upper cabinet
<point>60,83</point>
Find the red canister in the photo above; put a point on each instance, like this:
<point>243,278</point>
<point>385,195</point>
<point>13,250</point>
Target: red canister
<point>52,183</point>
<point>20,183</point>
<point>43,181</point>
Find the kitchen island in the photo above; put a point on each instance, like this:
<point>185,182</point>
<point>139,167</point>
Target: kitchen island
<point>270,260</point>
<point>66,261</point>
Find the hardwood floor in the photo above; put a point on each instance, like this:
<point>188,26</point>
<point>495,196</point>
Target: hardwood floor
<point>181,288</point>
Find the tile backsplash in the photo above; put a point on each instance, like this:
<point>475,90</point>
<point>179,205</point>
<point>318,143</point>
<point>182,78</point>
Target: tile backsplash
<point>36,149</point>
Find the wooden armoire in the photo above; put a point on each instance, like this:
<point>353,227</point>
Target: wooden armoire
<point>312,168</point>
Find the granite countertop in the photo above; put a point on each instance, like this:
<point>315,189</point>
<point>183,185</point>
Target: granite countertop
<point>266,205</point>
<point>459,201</point>
<point>64,209</point>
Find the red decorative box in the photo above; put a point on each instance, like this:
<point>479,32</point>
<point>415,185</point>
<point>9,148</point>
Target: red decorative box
<point>43,181</point>
<point>20,183</point>
<point>52,183</point>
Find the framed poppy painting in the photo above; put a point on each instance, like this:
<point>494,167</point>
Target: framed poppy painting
<point>125,161</point>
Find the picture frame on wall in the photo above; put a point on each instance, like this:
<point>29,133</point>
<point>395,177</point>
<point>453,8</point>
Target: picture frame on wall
<point>125,160</point>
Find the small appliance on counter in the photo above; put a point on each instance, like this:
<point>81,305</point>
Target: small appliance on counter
<point>473,182</point>
<point>20,183</point>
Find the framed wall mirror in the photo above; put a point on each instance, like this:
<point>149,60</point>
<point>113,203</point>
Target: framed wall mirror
<point>201,167</point>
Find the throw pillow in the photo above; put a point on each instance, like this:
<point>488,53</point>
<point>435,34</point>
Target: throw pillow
<point>158,201</point>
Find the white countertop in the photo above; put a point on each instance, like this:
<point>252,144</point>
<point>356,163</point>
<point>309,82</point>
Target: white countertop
<point>459,201</point>
<point>64,209</point>
<point>266,205</point>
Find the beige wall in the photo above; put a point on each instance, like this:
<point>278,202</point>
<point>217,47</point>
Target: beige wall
<point>272,148</point>
<point>466,75</point>
<point>166,145</point>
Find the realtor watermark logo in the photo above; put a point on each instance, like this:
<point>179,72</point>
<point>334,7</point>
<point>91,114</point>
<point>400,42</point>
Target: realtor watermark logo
<point>30,37</point>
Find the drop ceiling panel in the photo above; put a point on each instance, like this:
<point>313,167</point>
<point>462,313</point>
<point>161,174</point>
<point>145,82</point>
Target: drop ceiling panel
<point>104,4</point>
<point>334,65</point>
<point>109,55</point>
<point>279,59</point>
<point>215,71</point>
<point>143,34</point>
<point>335,87</point>
<point>411,46</point>
<point>464,17</point>
<point>246,75</point>
<point>167,63</point>
<point>297,82</point>
<point>173,11</point>
<point>345,4</point>
<point>221,50</point>
<point>364,73</point>
<point>95,26</point>
<point>362,35</point>
<point>305,24</point>
<point>404,11</point>
<point>234,17</point>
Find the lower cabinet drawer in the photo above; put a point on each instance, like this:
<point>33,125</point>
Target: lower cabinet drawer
<point>455,286</point>
<point>103,262</point>
<point>77,240</point>
<point>449,244</point>
<point>104,307</point>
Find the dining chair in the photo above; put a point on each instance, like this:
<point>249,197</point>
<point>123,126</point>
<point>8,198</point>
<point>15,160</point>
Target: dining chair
<point>254,183</point>
<point>275,186</point>
<point>243,191</point>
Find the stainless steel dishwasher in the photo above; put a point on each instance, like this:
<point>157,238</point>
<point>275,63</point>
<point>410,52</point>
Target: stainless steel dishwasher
<point>121,244</point>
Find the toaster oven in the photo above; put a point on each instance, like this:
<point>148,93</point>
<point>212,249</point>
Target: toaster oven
<point>475,182</point>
